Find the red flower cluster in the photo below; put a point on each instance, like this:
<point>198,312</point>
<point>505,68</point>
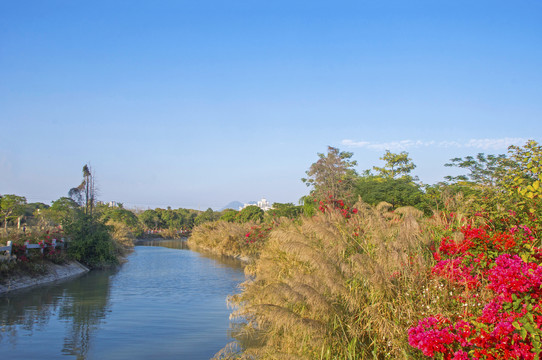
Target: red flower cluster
<point>509,325</point>
<point>258,233</point>
<point>340,205</point>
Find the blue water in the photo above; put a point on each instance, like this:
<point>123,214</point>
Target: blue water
<point>164,303</point>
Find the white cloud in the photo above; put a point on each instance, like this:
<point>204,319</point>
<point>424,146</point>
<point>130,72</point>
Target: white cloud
<point>482,144</point>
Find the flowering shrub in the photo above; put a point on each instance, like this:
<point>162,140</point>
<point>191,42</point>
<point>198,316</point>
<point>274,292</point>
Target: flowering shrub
<point>501,270</point>
<point>258,233</point>
<point>331,203</point>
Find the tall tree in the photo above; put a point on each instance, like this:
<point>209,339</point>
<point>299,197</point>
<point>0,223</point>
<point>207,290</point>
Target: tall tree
<point>484,170</point>
<point>332,176</point>
<point>397,165</point>
<point>11,207</point>
<point>85,193</point>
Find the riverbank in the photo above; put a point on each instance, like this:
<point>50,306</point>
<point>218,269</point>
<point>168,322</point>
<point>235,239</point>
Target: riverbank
<point>242,241</point>
<point>177,295</point>
<point>54,273</point>
<point>212,251</point>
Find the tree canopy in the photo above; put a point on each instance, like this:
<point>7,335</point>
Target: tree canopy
<point>332,176</point>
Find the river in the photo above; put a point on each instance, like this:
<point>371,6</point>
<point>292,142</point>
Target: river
<point>166,302</point>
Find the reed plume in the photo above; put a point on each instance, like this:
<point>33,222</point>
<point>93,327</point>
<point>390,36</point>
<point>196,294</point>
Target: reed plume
<point>327,287</point>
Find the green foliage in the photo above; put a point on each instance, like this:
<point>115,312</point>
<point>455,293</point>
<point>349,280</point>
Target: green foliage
<point>250,213</point>
<point>151,219</point>
<point>332,175</point>
<point>11,207</point>
<point>397,165</point>
<point>526,178</point>
<point>120,215</point>
<point>206,216</point>
<point>168,219</point>
<point>229,215</point>
<point>31,208</point>
<point>125,223</point>
<point>90,241</point>
<point>398,192</point>
<point>288,210</point>
<point>500,185</point>
<point>309,205</point>
<point>62,210</point>
<point>484,170</point>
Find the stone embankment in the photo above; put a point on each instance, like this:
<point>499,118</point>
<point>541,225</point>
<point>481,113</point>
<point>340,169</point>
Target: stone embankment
<point>54,273</point>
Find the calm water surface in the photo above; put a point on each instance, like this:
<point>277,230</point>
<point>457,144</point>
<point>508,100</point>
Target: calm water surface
<point>164,303</point>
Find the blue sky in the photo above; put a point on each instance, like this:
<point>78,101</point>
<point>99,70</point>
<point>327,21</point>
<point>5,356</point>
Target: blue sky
<point>198,103</point>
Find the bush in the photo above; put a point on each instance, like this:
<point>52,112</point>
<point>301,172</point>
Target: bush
<point>250,213</point>
<point>90,241</point>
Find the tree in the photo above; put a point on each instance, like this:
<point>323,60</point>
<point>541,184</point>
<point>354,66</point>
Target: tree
<point>206,216</point>
<point>91,241</point>
<point>11,207</point>
<point>484,170</point>
<point>332,176</point>
<point>85,193</point>
<point>526,175</point>
<point>250,213</point>
<point>121,215</point>
<point>150,219</point>
<point>397,165</point>
<point>229,215</point>
<point>398,192</point>
<point>61,210</point>
<point>288,210</point>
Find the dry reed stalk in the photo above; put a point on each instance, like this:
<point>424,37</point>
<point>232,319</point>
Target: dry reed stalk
<point>336,288</point>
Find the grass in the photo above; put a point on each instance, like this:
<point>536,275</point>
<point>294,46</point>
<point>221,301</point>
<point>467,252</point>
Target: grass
<point>225,238</point>
<point>331,288</point>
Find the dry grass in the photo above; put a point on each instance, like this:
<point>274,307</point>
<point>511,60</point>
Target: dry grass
<point>122,236</point>
<point>319,291</point>
<point>224,238</point>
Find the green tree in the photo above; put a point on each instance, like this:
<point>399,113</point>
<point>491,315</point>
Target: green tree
<point>332,176</point>
<point>229,215</point>
<point>398,192</point>
<point>288,210</point>
<point>11,207</point>
<point>90,241</point>
<point>526,176</point>
<point>60,211</point>
<point>483,170</point>
<point>206,216</point>
<point>397,165</point>
<point>250,213</point>
<point>121,215</point>
<point>150,219</point>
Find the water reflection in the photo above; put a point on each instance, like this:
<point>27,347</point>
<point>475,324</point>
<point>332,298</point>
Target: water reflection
<point>167,243</point>
<point>161,304</point>
<point>182,244</point>
<point>81,304</point>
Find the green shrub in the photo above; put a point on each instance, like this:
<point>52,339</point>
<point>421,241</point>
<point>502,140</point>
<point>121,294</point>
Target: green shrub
<point>90,241</point>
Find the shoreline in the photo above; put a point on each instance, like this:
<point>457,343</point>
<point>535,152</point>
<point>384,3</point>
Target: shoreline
<point>55,273</point>
<point>198,248</point>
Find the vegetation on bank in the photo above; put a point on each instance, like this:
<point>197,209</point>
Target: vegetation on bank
<point>460,279</point>
<point>99,234</point>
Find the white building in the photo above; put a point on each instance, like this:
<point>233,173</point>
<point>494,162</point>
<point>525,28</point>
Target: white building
<point>262,204</point>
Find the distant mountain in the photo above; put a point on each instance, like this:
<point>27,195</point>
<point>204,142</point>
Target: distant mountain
<point>235,205</point>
